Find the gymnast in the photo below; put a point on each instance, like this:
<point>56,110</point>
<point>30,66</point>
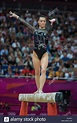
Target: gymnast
<point>40,55</point>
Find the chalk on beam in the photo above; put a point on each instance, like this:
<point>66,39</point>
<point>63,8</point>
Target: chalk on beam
<point>42,97</point>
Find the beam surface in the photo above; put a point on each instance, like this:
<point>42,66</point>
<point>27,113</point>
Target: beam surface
<point>41,97</point>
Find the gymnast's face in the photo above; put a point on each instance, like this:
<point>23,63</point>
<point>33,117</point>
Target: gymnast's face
<point>42,22</point>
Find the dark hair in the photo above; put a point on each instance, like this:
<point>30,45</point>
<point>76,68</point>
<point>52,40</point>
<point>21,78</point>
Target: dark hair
<point>42,16</point>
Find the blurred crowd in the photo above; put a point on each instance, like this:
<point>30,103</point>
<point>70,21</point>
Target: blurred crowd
<point>16,45</point>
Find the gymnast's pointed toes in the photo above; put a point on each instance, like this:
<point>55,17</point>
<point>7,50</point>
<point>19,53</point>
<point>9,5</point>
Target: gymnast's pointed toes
<point>36,92</point>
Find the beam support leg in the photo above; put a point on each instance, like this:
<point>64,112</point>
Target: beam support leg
<point>52,109</point>
<point>23,109</point>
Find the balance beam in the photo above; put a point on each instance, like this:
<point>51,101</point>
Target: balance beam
<point>55,97</point>
<point>50,98</point>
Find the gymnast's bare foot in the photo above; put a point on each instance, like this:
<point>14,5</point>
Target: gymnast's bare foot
<point>40,91</point>
<point>36,92</point>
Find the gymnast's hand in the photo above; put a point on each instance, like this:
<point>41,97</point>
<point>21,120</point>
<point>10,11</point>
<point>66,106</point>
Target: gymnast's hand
<point>13,15</point>
<point>52,21</point>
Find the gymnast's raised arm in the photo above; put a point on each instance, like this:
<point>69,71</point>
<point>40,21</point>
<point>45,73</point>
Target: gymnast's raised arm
<point>22,20</point>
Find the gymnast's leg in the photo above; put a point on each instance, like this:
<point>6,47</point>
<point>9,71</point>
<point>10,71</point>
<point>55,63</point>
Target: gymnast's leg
<point>36,64</point>
<point>44,64</point>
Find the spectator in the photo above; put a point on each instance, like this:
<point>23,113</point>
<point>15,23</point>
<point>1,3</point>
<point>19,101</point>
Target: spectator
<point>1,71</point>
<point>28,63</point>
<point>9,73</point>
<point>4,51</point>
<point>59,31</point>
<point>16,72</point>
<point>59,73</point>
<point>12,29</point>
<point>19,60</point>
<point>65,58</point>
<point>11,59</point>
<point>69,54</point>
<point>51,73</point>
<point>15,44</point>
<point>75,63</point>
<point>20,35</point>
<point>25,71</point>
<point>57,58</point>
<point>66,75</point>
<point>17,51</point>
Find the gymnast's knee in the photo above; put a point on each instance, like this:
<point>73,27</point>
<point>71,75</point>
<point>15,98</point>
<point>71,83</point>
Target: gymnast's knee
<point>43,71</point>
<point>37,72</point>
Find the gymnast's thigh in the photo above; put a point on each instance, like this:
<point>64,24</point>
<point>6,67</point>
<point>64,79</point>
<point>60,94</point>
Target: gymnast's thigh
<point>44,61</point>
<point>36,61</point>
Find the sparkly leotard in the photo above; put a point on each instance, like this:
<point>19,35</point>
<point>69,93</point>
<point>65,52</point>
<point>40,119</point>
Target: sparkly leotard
<point>40,42</point>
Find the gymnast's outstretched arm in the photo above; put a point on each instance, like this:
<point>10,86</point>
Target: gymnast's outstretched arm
<point>22,20</point>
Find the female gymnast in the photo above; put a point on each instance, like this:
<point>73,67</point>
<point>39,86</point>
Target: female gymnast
<point>40,55</point>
